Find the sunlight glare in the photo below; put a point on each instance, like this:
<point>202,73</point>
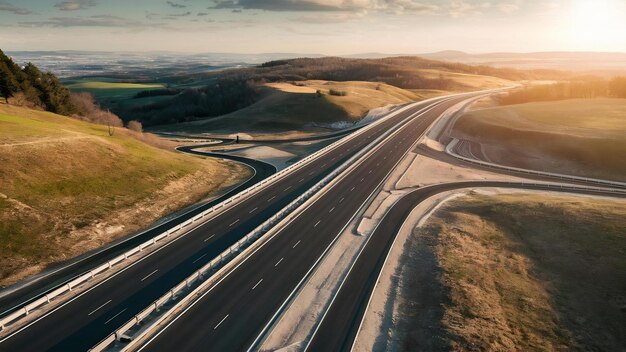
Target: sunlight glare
<point>593,23</point>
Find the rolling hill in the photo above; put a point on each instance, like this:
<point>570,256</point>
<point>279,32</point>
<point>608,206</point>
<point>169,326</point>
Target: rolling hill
<point>69,187</point>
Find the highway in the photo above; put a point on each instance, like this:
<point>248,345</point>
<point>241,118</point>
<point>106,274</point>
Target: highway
<point>231,315</point>
<point>89,317</point>
<point>341,323</point>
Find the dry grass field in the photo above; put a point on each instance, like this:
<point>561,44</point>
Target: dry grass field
<point>68,187</point>
<point>584,137</point>
<point>519,272</point>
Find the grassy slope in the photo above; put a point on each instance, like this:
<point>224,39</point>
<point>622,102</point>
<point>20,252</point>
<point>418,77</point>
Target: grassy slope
<point>583,137</point>
<point>287,107</point>
<point>515,283</point>
<point>68,187</point>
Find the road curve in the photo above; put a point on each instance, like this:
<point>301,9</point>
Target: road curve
<point>91,316</point>
<point>340,324</point>
<point>21,293</point>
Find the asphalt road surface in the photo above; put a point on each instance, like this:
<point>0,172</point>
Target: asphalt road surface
<point>88,318</point>
<point>230,316</point>
<point>341,323</point>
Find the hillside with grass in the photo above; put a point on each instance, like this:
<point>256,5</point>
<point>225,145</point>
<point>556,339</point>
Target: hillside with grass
<point>68,186</point>
<point>186,98</point>
<point>584,137</point>
<point>305,106</point>
<point>486,275</point>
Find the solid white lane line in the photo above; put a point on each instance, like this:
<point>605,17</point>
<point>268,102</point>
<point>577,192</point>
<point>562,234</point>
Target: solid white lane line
<point>341,200</point>
<point>208,238</point>
<point>287,188</point>
<point>257,284</point>
<point>317,223</point>
<point>152,273</point>
<point>115,316</point>
<point>271,199</point>
<point>331,210</point>
<point>234,222</point>
<point>95,310</point>
<point>221,321</point>
<point>297,243</point>
<point>200,257</point>
<point>252,211</point>
<point>278,262</point>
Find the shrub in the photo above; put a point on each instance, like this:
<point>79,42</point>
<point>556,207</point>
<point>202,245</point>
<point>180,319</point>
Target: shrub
<point>336,92</point>
<point>134,125</point>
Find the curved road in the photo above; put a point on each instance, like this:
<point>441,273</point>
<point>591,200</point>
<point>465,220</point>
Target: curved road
<point>17,295</point>
<point>341,323</point>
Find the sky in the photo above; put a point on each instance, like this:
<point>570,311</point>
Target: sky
<point>330,27</point>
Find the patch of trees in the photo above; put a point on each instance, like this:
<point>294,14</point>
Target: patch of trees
<point>588,88</point>
<point>30,87</point>
<point>224,96</point>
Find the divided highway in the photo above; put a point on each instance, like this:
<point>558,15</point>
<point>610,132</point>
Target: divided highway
<point>232,314</point>
<point>86,319</point>
<point>341,323</point>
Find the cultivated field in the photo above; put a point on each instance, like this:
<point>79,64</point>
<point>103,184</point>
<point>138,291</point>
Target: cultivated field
<point>108,91</point>
<point>516,272</point>
<point>584,137</point>
<point>68,187</point>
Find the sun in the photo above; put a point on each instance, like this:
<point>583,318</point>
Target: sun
<point>595,23</point>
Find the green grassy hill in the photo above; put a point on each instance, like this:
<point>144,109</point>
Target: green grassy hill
<point>68,187</point>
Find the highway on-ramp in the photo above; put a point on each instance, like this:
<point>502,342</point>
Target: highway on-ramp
<point>232,314</point>
<point>341,322</point>
<point>92,315</point>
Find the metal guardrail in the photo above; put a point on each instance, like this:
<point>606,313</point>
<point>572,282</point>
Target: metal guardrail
<point>450,150</point>
<point>48,297</point>
<point>248,243</point>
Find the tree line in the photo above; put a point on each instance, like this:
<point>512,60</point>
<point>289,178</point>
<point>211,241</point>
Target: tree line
<point>29,86</point>
<point>586,88</point>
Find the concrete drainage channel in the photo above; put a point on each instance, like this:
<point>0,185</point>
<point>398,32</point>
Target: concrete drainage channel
<point>55,296</point>
<point>126,337</point>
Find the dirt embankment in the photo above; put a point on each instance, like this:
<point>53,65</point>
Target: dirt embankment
<point>484,274</point>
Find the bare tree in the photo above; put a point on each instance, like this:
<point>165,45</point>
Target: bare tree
<point>109,123</point>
